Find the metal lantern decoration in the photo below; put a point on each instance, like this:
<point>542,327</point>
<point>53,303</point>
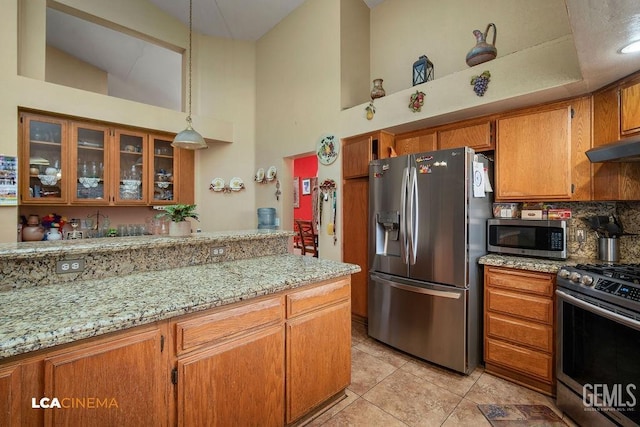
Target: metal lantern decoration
<point>422,70</point>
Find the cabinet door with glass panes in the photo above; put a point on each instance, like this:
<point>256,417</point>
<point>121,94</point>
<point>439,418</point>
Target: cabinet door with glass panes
<point>162,173</point>
<point>130,167</point>
<point>89,161</point>
<point>43,155</point>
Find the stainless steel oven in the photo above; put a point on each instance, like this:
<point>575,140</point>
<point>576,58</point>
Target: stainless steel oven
<point>598,343</point>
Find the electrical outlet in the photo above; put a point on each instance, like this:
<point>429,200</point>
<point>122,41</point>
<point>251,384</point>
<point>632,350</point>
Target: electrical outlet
<point>580,235</point>
<point>70,266</point>
<point>218,251</point>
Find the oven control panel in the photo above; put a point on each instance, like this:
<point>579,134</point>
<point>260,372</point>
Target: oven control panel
<point>627,291</point>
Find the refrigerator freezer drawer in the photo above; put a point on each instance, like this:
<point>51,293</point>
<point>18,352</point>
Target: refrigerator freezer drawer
<point>425,320</point>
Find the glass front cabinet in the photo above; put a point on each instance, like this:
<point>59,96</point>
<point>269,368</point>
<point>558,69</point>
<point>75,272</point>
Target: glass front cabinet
<point>43,168</point>
<point>85,163</point>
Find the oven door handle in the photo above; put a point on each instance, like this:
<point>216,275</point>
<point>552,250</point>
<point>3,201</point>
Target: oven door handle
<point>597,310</point>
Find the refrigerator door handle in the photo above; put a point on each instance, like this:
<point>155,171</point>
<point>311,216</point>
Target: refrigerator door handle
<point>404,253</point>
<point>417,290</point>
<point>414,214</point>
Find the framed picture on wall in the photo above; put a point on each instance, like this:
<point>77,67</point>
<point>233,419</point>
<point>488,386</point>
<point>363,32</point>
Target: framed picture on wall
<point>296,192</point>
<point>306,186</point>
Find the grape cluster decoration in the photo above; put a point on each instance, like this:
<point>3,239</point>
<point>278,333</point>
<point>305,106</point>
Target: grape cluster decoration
<point>417,101</point>
<point>481,83</point>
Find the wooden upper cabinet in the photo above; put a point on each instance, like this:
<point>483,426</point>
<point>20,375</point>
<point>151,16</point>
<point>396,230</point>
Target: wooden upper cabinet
<point>540,153</point>
<point>67,161</point>
<point>171,172</point>
<point>43,159</point>
<point>477,136</point>
<point>416,142</point>
<point>614,180</point>
<point>358,151</point>
<point>630,108</point>
<point>90,159</point>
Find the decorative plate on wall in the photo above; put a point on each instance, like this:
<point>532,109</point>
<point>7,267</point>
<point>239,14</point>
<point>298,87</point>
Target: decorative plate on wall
<point>327,149</point>
<point>271,173</point>
<point>217,184</point>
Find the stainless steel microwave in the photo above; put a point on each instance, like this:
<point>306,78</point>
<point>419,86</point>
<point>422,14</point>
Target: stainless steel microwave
<point>536,238</point>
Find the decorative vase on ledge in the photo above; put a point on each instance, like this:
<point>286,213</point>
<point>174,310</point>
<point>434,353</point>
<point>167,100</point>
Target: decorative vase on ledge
<point>179,229</point>
<point>378,90</point>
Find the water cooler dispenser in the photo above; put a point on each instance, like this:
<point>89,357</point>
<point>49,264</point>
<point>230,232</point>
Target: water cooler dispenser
<point>267,218</point>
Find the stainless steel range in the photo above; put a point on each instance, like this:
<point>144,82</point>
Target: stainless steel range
<point>598,342</point>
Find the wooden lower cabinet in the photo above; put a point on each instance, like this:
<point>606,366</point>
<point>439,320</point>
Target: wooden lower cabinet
<point>238,383</point>
<point>269,361</point>
<point>318,338</point>
<point>120,382</point>
<point>10,391</point>
<point>519,327</point>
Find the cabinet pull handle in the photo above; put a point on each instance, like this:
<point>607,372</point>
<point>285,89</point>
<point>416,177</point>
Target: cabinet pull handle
<point>161,343</point>
<point>174,376</point>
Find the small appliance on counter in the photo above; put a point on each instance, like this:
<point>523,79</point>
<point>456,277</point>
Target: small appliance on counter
<point>598,342</point>
<point>536,238</point>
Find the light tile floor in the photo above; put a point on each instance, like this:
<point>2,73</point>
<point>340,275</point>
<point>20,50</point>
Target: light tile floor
<point>390,388</point>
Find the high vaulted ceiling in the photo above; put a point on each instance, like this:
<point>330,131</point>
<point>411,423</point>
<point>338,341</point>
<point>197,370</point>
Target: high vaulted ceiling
<point>600,28</point>
<point>234,19</point>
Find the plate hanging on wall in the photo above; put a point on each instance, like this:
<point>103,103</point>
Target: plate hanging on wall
<point>327,149</point>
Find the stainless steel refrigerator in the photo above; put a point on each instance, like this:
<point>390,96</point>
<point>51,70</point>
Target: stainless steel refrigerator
<point>427,231</point>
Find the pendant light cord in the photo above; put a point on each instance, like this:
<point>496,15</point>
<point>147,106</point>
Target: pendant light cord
<point>190,36</point>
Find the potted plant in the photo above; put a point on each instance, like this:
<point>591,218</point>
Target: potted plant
<point>178,215</point>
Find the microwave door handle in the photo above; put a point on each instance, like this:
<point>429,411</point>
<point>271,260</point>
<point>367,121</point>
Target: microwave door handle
<point>403,217</point>
<point>413,215</point>
<point>597,310</point>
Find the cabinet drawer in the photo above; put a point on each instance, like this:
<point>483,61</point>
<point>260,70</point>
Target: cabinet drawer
<point>520,331</point>
<point>227,323</point>
<point>520,280</point>
<point>318,297</point>
<point>525,306</point>
<point>529,362</point>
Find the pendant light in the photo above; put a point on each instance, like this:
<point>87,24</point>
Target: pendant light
<point>189,138</point>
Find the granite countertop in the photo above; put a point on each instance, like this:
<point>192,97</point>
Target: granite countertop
<point>40,317</point>
<point>532,264</point>
<point>30,250</point>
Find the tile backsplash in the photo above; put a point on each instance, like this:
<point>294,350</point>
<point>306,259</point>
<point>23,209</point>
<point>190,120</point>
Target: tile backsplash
<point>627,212</point>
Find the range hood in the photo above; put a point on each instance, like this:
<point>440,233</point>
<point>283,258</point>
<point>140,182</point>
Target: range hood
<point>626,150</point>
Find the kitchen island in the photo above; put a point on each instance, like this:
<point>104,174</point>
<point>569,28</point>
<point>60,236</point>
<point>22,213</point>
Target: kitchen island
<point>213,340</point>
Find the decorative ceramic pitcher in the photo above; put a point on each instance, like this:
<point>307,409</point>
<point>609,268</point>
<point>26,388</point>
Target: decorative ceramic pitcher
<point>378,90</point>
<point>54,234</point>
<point>482,51</point>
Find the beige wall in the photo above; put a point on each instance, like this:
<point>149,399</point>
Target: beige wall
<point>28,89</point>
<point>402,30</point>
<point>64,69</point>
<point>298,100</point>
<point>537,60</point>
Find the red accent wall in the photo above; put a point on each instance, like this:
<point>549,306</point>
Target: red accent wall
<point>304,167</point>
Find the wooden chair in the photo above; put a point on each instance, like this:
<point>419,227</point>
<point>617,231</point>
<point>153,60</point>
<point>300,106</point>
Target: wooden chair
<point>308,237</point>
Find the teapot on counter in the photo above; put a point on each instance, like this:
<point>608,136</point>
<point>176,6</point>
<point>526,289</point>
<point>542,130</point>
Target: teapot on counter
<point>482,51</point>
<point>32,231</point>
